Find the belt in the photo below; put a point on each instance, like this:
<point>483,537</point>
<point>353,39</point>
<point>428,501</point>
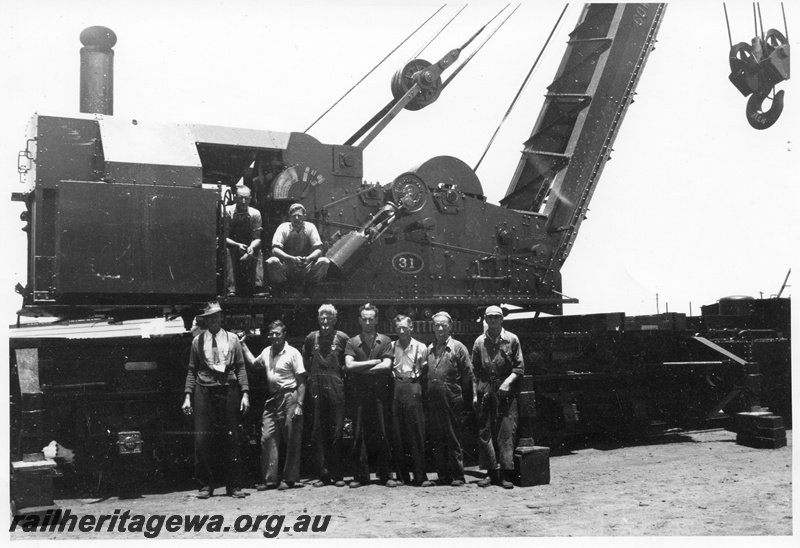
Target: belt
<point>279,392</point>
<point>331,373</point>
<point>406,379</point>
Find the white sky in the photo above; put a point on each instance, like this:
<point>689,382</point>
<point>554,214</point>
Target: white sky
<point>694,204</point>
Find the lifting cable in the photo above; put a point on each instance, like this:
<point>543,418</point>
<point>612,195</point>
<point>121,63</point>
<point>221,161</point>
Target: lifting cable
<point>386,109</point>
<point>757,20</point>
<point>728,24</point>
<point>785,26</point>
<point>373,68</point>
<point>468,59</point>
<point>428,43</point>
<point>521,89</point>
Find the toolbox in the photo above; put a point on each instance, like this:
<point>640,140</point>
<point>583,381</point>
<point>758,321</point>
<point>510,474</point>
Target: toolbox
<point>532,466</point>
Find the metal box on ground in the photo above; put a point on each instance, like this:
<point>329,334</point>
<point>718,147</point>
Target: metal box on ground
<point>32,485</point>
<point>760,430</point>
<point>531,466</point>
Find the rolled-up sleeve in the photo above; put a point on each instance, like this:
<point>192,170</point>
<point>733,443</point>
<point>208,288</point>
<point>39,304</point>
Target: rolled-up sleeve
<point>255,224</point>
<point>518,364</point>
<point>279,238</point>
<point>298,367</point>
<point>313,236</point>
<point>238,365</point>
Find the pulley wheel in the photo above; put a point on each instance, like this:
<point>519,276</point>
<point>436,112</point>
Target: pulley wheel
<point>403,81</point>
<point>409,192</point>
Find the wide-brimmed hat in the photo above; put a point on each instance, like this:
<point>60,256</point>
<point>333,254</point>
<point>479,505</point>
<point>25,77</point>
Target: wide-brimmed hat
<point>493,311</point>
<point>211,308</point>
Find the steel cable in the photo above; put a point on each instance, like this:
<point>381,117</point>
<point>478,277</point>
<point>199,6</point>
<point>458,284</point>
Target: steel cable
<point>428,43</point>
<point>521,88</point>
<point>728,25</point>
<point>468,59</point>
<point>373,68</point>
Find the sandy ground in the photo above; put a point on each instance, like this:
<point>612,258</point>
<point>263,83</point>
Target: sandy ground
<point>696,483</point>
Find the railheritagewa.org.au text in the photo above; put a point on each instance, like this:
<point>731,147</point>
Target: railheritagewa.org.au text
<point>151,526</point>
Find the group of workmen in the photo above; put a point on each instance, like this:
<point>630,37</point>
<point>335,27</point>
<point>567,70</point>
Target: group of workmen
<point>295,254</point>
<point>403,392</point>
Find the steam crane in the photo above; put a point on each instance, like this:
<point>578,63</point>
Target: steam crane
<point>124,215</point>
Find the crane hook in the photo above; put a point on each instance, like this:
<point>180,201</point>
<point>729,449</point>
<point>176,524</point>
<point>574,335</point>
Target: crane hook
<point>759,118</point>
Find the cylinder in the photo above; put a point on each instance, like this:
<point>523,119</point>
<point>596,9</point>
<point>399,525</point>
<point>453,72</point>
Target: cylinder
<point>97,70</point>
<point>346,251</point>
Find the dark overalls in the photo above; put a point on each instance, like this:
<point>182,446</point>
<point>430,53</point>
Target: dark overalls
<point>498,414</point>
<point>448,374</point>
<point>242,276</point>
<point>324,364</point>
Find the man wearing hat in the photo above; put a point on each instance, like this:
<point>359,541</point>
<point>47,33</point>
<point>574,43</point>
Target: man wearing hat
<point>497,360</point>
<point>297,250</point>
<point>216,378</point>
<point>449,377</point>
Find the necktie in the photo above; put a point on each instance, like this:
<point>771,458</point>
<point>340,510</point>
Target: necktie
<point>214,350</point>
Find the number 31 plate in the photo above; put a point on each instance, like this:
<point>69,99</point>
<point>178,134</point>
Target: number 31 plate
<point>407,263</point>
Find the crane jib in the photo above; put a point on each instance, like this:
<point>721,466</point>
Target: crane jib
<point>571,140</point>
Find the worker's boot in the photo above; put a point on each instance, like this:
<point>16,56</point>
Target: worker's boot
<point>491,478</point>
<point>507,476</point>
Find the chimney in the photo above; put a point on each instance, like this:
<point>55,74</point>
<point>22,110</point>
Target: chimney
<point>97,70</point>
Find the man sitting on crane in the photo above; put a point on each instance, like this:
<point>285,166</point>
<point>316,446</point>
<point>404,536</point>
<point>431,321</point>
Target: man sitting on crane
<point>297,250</point>
<point>244,262</point>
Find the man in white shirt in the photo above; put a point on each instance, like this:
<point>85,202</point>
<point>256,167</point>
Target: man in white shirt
<point>297,250</point>
<point>409,369</point>
<point>282,421</point>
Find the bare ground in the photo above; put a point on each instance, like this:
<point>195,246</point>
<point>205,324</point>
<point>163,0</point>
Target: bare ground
<point>698,483</point>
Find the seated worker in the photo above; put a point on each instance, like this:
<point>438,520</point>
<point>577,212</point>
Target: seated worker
<point>297,250</point>
<point>244,260</point>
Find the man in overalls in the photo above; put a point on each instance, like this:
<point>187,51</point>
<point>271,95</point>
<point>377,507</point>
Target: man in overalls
<point>497,360</point>
<point>449,378</point>
<point>244,260</point>
<point>323,355</point>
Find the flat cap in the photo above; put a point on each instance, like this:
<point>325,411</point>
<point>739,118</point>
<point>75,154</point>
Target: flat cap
<point>493,311</point>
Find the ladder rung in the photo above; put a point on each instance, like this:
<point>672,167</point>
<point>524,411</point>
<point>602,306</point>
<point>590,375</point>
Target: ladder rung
<point>578,96</point>
<point>545,153</point>
<point>585,40</point>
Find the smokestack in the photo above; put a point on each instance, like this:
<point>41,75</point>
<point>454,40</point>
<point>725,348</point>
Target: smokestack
<point>97,70</point>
